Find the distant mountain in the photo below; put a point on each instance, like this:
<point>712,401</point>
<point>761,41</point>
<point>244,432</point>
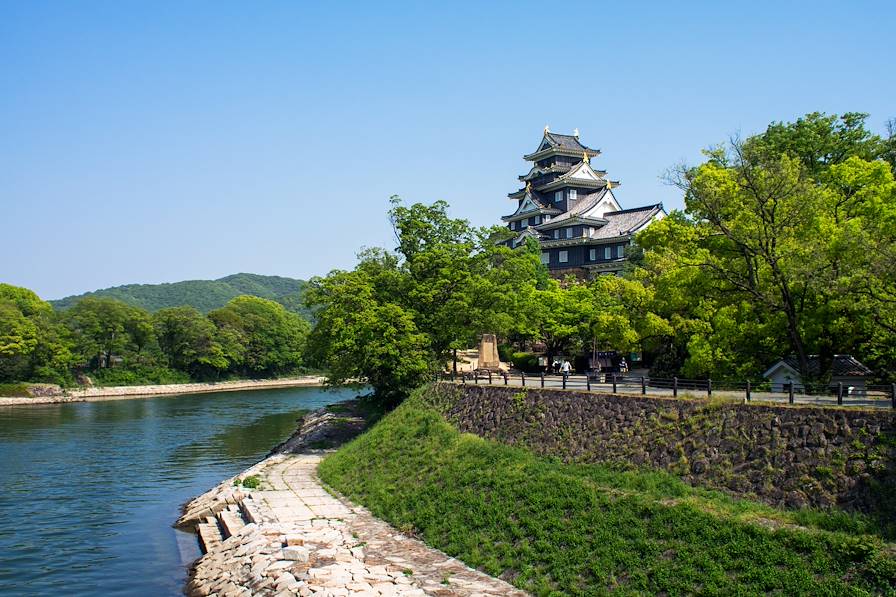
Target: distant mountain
<point>205,295</point>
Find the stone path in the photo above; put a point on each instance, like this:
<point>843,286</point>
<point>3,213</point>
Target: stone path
<point>291,537</point>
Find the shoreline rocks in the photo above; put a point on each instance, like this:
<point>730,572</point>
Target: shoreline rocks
<point>92,394</point>
<point>292,536</point>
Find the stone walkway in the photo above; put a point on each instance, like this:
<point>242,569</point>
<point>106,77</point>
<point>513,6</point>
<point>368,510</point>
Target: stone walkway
<point>291,537</point>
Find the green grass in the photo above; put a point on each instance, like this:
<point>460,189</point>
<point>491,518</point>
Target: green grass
<point>14,389</point>
<point>563,529</point>
<point>250,482</point>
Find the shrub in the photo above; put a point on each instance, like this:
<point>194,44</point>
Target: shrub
<point>251,482</point>
<point>14,389</point>
<point>526,361</point>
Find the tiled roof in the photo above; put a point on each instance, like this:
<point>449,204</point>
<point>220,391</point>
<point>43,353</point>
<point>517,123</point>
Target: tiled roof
<point>566,141</point>
<point>624,221</point>
<point>535,171</point>
<point>841,365</point>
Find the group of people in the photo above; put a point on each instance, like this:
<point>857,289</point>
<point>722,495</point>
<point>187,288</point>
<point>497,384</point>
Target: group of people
<point>563,367</point>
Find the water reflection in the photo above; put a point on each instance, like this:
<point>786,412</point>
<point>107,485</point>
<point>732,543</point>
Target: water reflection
<point>89,490</point>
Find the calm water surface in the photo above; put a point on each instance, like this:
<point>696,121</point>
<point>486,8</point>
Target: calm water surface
<point>88,491</point>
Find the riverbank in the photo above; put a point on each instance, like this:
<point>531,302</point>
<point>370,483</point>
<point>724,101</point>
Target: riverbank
<point>126,392</point>
<point>286,534</point>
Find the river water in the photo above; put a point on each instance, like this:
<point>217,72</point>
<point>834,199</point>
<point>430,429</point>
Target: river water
<point>89,491</point>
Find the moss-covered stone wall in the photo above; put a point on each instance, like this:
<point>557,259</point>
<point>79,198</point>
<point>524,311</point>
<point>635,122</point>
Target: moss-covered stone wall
<point>782,455</point>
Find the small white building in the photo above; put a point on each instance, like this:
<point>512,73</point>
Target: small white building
<point>844,369</point>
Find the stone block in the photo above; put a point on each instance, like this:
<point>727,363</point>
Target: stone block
<point>295,553</point>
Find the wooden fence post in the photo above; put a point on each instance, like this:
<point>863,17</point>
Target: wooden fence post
<point>505,378</point>
<point>523,377</point>
<point>476,377</point>
<point>748,390</point>
<point>675,387</point>
<point>542,379</point>
<point>790,392</point>
<point>588,382</point>
<point>643,386</point>
<point>489,378</point>
<point>839,392</point>
<point>614,383</point>
<point>709,387</point>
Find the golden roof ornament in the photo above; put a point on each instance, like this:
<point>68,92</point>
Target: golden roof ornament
<point>528,186</point>
<point>585,157</point>
<point>609,184</point>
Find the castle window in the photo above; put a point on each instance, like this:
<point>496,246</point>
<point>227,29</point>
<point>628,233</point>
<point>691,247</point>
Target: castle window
<point>558,196</point>
<point>569,233</point>
<point>556,233</point>
<point>608,252</point>
<point>545,258</point>
<point>572,194</point>
<point>563,256</point>
<point>592,255</point>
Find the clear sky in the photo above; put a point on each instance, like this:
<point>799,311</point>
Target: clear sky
<point>163,141</point>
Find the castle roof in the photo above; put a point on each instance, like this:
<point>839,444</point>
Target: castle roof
<point>627,221</point>
<point>553,143</point>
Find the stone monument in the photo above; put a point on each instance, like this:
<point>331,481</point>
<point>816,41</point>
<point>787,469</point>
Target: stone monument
<point>488,353</point>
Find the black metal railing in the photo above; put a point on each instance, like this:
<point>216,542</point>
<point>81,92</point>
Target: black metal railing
<point>878,396</point>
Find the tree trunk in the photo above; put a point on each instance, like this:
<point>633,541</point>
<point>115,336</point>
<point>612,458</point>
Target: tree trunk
<point>798,346</point>
<point>454,357</point>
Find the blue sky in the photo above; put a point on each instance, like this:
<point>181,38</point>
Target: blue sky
<point>157,141</point>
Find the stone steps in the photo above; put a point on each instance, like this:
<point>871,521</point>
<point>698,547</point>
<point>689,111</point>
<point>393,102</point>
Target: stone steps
<point>231,520</point>
<point>209,534</point>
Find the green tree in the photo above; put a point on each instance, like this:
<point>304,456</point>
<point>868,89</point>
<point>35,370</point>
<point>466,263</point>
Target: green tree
<point>458,280</point>
<point>32,345</point>
<point>620,314</point>
<point>188,340</point>
<point>399,315</point>
<point>104,328</point>
<point>359,335</point>
<point>268,339</point>
<point>774,243</point>
<point>820,140</point>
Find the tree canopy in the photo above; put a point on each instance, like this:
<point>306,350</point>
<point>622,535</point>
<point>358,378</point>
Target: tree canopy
<point>399,315</point>
<point>780,248</point>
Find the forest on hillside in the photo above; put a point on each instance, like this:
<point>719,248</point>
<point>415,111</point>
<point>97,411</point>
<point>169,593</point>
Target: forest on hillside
<point>203,295</point>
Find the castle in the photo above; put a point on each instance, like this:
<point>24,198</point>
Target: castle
<point>571,210</point>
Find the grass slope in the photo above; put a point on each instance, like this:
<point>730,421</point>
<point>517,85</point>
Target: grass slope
<point>561,529</point>
<point>204,295</point>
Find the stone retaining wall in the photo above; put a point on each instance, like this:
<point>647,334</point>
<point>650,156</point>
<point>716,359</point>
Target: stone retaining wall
<point>790,456</point>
